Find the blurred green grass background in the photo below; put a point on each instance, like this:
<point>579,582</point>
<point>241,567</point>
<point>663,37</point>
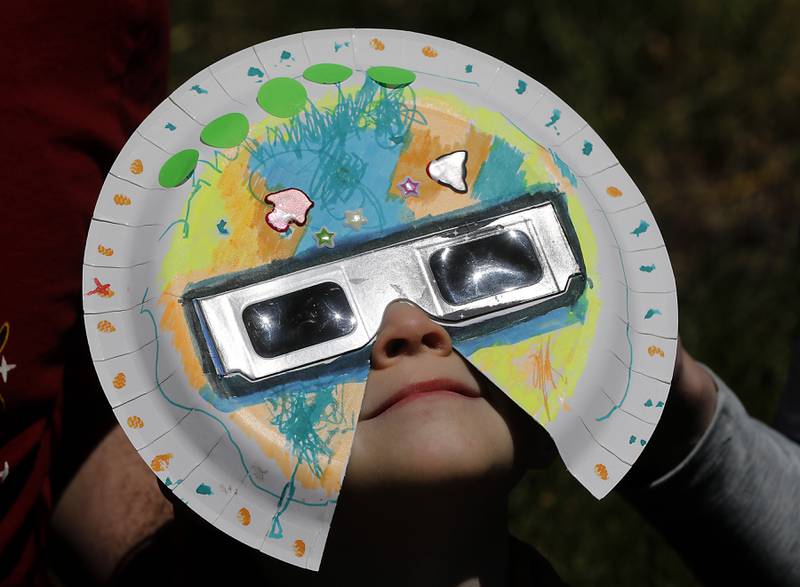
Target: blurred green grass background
<point>699,102</point>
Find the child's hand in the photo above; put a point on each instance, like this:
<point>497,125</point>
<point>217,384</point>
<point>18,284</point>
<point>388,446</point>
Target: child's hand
<point>687,415</point>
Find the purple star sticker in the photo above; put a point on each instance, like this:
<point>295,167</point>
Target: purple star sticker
<point>409,187</point>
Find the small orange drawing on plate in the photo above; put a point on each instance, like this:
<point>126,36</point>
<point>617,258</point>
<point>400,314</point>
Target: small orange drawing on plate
<point>105,250</point>
<point>105,326</point>
<point>655,350</point>
<point>161,462</point>
<point>135,422</point>
<point>429,51</point>
<point>601,471</point>
<point>243,515</point>
<point>119,380</point>
<point>613,191</point>
<point>121,200</point>
<point>377,44</point>
<point>299,548</point>
<point>136,166</point>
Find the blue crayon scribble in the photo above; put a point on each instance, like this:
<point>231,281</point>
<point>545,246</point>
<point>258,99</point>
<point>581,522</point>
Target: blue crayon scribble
<point>641,229</point>
<point>587,148</point>
<point>198,89</point>
<point>647,268</point>
<point>521,87</point>
<point>255,72</point>
<point>170,126</point>
<point>221,227</point>
<point>308,422</point>
<point>652,312</point>
<point>468,68</point>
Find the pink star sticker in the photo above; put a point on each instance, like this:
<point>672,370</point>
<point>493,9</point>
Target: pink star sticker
<point>290,206</point>
<point>409,187</point>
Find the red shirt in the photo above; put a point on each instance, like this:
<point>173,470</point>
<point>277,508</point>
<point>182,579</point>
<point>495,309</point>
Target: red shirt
<point>77,80</point>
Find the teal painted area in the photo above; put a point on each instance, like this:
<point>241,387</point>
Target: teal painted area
<point>565,170</point>
<point>648,403</point>
<point>587,148</point>
<point>255,72</point>
<point>468,68</point>
<point>631,440</point>
<point>554,117</point>
<point>660,404</point>
<point>500,176</point>
<point>522,86</point>
<point>652,312</point>
<point>204,489</point>
<point>647,268</point>
<point>641,229</point>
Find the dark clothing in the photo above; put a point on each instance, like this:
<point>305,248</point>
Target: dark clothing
<point>77,80</point>
<point>732,507</point>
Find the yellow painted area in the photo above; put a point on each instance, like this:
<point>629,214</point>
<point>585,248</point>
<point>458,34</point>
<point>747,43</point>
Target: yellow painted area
<point>255,422</point>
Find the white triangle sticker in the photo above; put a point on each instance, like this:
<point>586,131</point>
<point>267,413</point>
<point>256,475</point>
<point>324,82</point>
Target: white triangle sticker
<point>450,170</point>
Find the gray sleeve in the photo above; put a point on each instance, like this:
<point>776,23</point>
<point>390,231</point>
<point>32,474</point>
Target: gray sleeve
<point>731,508</point>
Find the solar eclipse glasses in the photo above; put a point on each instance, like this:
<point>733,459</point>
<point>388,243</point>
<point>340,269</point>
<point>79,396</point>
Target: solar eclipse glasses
<point>459,275</point>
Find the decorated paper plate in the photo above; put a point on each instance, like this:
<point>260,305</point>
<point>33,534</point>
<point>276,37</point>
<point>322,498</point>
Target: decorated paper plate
<point>253,229</point>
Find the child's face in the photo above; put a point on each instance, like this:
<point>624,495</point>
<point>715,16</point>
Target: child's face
<point>430,419</point>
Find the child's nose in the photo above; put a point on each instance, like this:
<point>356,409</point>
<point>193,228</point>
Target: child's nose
<point>406,330</point>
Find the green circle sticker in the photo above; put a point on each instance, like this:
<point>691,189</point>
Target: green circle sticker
<point>327,73</point>
<point>391,77</point>
<point>226,131</point>
<point>178,168</point>
<point>283,97</point>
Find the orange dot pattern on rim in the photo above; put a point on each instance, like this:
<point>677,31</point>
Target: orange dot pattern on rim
<point>429,51</point>
<point>161,462</point>
<point>655,350</point>
<point>377,44</point>
<point>613,191</point>
<point>106,326</point>
<point>135,422</point>
<point>243,515</point>
<point>121,200</point>
<point>299,548</point>
<point>137,166</point>
<point>601,471</point>
<point>119,380</point>
<point>105,250</point>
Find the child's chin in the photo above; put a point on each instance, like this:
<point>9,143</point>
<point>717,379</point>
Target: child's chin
<point>432,447</point>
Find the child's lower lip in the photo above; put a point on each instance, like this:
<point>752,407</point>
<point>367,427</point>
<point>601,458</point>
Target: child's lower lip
<point>423,394</point>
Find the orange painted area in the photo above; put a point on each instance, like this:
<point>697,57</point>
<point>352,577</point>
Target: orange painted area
<point>121,200</point>
<point>377,44</point>
<point>299,548</point>
<point>105,326</point>
<point>243,515</point>
<point>446,132</point>
<point>655,350</point>
<point>161,462</point>
<point>429,51</point>
<point>613,191</point>
<point>135,422</point>
<point>136,166</point>
<point>105,251</point>
<point>255,422</point>
<point>119,380</point>
<point>601,471</point>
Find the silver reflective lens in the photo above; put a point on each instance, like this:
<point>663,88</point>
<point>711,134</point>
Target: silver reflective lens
<point>297,320</point>
<point>485,267</point>
<point>460,276</point>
